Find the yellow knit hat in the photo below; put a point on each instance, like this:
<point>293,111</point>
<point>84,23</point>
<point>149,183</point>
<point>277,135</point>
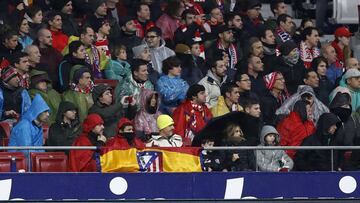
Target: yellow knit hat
<point>164,121</point>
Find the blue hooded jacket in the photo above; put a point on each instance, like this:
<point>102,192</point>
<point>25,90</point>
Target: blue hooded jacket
<point>26,133</point>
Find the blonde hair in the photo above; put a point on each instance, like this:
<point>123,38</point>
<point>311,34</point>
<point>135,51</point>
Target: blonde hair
<point>229,132</point>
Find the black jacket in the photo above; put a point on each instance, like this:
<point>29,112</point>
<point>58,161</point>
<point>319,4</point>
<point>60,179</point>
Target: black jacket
<point>246,161</point>
<point>269,104</point>
<point>190,71</point>
<point>69,26</point>
<point>324,89</point>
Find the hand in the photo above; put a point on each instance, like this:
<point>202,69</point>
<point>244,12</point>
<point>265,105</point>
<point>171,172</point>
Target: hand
<point>125,100</point>
<point>132,101</point>
<point>284,169</point>
<point>11,113</point>
<point>199,19</point>
<point>20,6</point>
<point>101,138</point>
<point>235,157</point>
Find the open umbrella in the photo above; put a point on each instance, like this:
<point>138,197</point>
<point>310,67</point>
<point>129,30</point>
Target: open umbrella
<point>215,127</point>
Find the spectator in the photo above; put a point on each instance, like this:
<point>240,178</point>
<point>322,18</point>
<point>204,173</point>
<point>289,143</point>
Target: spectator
<point>80,90</point>
<point>60,39</point>
<point>252,107</point>
<point>128,35</point>
<point>15,101</point>
<point>311,79</point>
<point>76,57</point>
<point>101,28</point>
<point>214,79</point>
<point>20,61</point>
<point>157,48</point>
<point>296,127</point>
<point>24,32</point>
<point>228,101</point>
<point>212,160</point>
<point>272,160</point>
<point>67,126</point>
<point>351,63</point>
<point>40,84</point>
<point>305,23</point>
<point>285,27</point>
<point>125,137</point>
<point>143,52</point>
<point>133,84</point>
<point>29,132</point>
<point>341,43</point>
<point>118,68</point>
<point>145,119</point>
<point>322,92</point>
<point>166,137</point>
<point>65,7</point>
<point>308,45</point>
<point>244,85</point>
<point>351,81</point>
<point>103,106</point>
<point>254,69</point>
<point>253,19</point>
<point>34,15</point>
<point>291,66</point>
<point>170,86</point>
<point>234,21</point>
<point>318,160</point>
<point>334,70</point>
<point>92,135</point>
<point>274,97</point>
<point>192,115</point>
<point>34,56</point>
<point>9,44</point>
<point>142,21</point>
<point>269,50</point>
<point>277,7</point>
<point>190,28</point>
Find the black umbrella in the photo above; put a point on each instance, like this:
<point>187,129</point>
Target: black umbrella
<point>215,127</point>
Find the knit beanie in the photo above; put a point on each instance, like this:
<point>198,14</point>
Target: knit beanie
<point>95,4</point>
<point>91,121</point>
<point>270,80</point>
<point>138,50</point>
<point>286,47</point>
<point>8,73</point>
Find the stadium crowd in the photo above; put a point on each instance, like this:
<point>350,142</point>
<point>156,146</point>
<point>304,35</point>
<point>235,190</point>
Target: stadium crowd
<point>148,73</point>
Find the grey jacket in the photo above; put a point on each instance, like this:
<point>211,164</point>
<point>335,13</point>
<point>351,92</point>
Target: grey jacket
<point>272,160</point>
<point>159,54</point>
<point>212,88</point>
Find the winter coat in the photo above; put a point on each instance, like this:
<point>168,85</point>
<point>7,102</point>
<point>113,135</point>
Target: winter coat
<point>159,54</point>
<point>258,84</point>
<point>26,132</point>
<point>60,40</point>
<point>221,108</point>
<point>172,90</point>
<point>25,101</point>
<point>355,94</point>
<point>61,133</point>
<point>190,69</point>
<point>52,99</point>
<point>318,160</point>
<point>272,160</point>
<point>324,89</point>
<point>160,141</point>
<point>82,101</point>
<point>117,70</point>
<point>293,131</point>
<point>145,122</point>
<point>246,161</point>
<point>212,88</point>
<point>334,72</point>
<point>269,104</point>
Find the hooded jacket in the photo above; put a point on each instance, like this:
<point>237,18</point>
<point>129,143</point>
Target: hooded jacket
<point>26,132</point>
<point>318,160</point>
<point>145,122</point>
<point>85,160</point>
<point>61,133</point>
<point>159,54</point>
<point>355,94</point>
<point>272,160</point>
<point>212,88</point>
<point>221,108</point>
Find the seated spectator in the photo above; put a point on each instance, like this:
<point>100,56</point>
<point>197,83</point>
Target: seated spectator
<point>65,7</point>
<point>35,16</point>
<point>104,106</point>
<point>296,127</point>
<point>145,119</point>
<point>66,127</point>
<point>125,137</point>
<point>351,81</point>
<point>335,68</point>
<point>285,28</point>
<point>166,136</point>
<point>24,32</point>
<point>118,68</point>
<point>54,21</point>
<point>20,61</point>
<point>304,92</point>
<point>341,43</point>
<point>9,45</point>
<point>80,90</point>
<point>33,56</point>
<point>92,135</point>
<point>132,85</point>
<point>40,84</point>
<point>272,160</point>
<point>14,100</point>
<point>128,36</point>
<point>214,79</point>
<point>243,82</point>
<point>254,70</point>
<point>76,57</point>
<point>237,160</point>
<point>311,78</point>
<point>319,65</point>
<point>228,101</point>
<point>252,107</point>
<point>170,86</point>
<point>142,21</point>
<point>274,97</point>
<point>270,52</point>
<point>253,21</point>
<point>143,52</point>
<point>29,132</point>
<point>212,160</point>
<point>318,160</point>
<point>192,115</point>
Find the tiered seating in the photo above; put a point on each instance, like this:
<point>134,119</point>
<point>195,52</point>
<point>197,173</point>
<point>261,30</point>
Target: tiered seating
<point>111,83</point>
<point>9,158</point>
<point>49,162</point>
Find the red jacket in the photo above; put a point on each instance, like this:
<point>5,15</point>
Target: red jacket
<point>82,160</point>
<point>59,40</point>
<point>141,30</point>
<point>293,131</point>
<point>190,119</point>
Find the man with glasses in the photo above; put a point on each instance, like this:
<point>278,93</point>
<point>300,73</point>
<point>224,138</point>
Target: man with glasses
<point>158,50</point>
<point>244,84</point>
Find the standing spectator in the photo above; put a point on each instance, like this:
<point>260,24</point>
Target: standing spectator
<point>285,27</point>
<point>272,160</point>
<point>29,132</point>
<point>335,68</point>
<point>92,135</point>
<point>296,127</point>
<point>320,65</point>
<point>40,84</point>
<point>103,106</point>
<point>145,119</point>
<point>20,61</point>
<point>66,127</point>
<point>142,21</point>
<point>65,7</point>
<point>318,160</point>
<point>166,137</point>
<point>228,101</point>
<point>192,115</point>
<point>60,39</point>
<point>170,86</point>
<point>308,45</point>
<point>157,48</point>
<point>341,43</point>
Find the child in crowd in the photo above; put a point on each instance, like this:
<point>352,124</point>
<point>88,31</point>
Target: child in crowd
<point>212,160</point>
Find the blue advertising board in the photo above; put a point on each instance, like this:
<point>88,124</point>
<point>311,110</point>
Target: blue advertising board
<point>111,186</point>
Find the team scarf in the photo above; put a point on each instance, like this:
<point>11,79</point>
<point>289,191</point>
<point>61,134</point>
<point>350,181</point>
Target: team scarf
<point>284,36</point>
<point>307,54</point>
<point>232,54</point>
<point>94,61</point>
<point>86,90</point>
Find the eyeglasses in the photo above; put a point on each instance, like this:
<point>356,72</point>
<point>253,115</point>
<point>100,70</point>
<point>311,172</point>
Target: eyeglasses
<point>151,37</point>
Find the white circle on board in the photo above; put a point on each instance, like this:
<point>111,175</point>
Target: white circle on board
<point>347,184</point>
<point>118,185</point>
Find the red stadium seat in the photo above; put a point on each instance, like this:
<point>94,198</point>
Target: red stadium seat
<point>6,126</point>
<point>45,133</point>
<point>7,157</point>
<point>111,83</point>
<point>49,162</point>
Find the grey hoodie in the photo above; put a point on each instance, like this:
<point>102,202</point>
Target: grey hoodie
<point>272,160</point>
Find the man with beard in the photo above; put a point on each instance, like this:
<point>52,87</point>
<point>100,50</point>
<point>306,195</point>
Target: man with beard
<point>128,36</point>
<point>20,61</point>
<point>285,28</point>
<point>15,100</point>
<point>92,135</point>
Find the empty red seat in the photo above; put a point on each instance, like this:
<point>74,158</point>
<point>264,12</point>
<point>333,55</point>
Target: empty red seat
<point>49,162</point>
<point>6,159</point>
<point>111,83</point>
<point>6,126</point>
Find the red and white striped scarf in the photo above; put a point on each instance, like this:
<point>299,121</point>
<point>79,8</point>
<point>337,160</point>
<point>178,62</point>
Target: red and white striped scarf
<point>232,54</point>
<point>307,54</point>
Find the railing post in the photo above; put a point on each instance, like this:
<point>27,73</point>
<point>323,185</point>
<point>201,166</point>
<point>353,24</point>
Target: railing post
<point>332,160</point>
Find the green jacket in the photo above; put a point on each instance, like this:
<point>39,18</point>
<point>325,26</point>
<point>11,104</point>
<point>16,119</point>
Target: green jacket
<point>52,98</point>
<point>81,100</point>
